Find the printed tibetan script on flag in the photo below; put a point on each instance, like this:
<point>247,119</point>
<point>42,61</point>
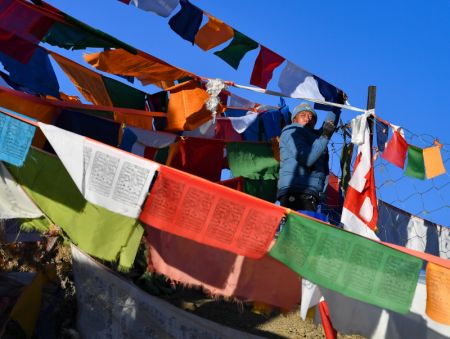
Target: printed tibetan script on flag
<point>211,214</point>
<point>349,264</point>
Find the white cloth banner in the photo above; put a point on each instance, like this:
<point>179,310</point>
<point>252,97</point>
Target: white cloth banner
<point>240,124</point>
<point>350,316</point>
<point>113,179</point>
<point>311,296</point>
<point>295,82</point>
<point>14,202</point>
<point>237,101</point>
<point>358,125</point>
<point>161,7</point>
<point>111,307</point>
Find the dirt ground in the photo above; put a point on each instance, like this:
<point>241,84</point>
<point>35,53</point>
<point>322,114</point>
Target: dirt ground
<point>232,313</point>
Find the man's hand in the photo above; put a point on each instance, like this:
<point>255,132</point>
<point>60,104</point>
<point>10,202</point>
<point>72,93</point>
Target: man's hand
<point>328,129</point>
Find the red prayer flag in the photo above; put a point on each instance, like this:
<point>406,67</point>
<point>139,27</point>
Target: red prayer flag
<point>330,332</point>
<point>225,130</point>
<point>265,63</point>
<point>211,214</point>
<point>21,29</point>
<point>395,151</point>
<point>199,156</point>
<point>234,183</point>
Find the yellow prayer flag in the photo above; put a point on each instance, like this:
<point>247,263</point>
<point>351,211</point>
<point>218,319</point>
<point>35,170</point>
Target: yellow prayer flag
<point>433,162</point>
<point>26,310</point>
<point>438,293</point>
<point>89,83</point>
<point>214,33</point>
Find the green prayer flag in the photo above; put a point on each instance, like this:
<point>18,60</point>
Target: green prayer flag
<point>161,155</point>
<point>96,230</point>
<point>123,95</point>
<point>81,36</point>
<point>235,51</point>
<point>252,160</point>
<point>263,189</point>
<point>416,165</point>
<point>347,263</point>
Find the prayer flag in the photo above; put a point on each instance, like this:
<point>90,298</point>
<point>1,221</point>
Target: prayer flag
<point>225,131</point>
<point>148,69</point>
<point>211,214</point>
<point>345,161</point>
<point>94,229</point>
<point>21,29</point>
<point>15,139</point>
<point>222,273</point>
<point>360,212</point>
<point>265,63</point>
<point>136,140</point>
<point>415,167</point>
<point>295,82</point>
<point>187,107</point>
<point>272,123</point>
<point>349,264</point>
<point>438,293</point>
<point>37,75</point>
<point>382,134</point>
<point>89,83</point>
<point>252,160</point>
<point>104,175</point>
<point>200,157</point>
<point>395,151</point>
<point>187,21</point>
<point>161,7</point>
<point>236,50</point>
<point>433,161</point>
<point>14,203</point>
<point>213,33</point>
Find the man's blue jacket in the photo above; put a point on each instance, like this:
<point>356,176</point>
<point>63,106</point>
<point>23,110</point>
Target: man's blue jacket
<point>304,159</point>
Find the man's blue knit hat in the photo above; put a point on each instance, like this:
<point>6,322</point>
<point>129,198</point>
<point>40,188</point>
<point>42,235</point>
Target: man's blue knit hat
<point>301,108</point>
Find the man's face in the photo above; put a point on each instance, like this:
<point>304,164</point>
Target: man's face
<point>306,119</point>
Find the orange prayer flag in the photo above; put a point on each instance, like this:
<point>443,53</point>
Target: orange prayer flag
<point>148,69</point>
<point>211,214</point>
<point>89,83</point>
<point>22,103</point>
<point>438,293</point>
<point>433,162</point>
<point>214,33</point>
<point>187,107</point>
<point>135,120</point>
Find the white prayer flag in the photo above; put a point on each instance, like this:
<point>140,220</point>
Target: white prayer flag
<point>295,82</point>
<point>111,178</point>
<point>161,7</point>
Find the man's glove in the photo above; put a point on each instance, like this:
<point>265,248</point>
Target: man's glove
<point>328,129</point>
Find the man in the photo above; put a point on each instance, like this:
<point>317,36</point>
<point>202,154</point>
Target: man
<point>304,158</point>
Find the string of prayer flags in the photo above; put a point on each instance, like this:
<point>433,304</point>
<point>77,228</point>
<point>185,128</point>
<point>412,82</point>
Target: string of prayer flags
<point>14,203</point>
<point>415,167</point>
<point>252,160</point>
<point>96,230</point>
<point>37,75</point>
<point>432,158</point>
<point>187,107</point>
<point>21,29</point>
<point>211,214</point>
<point>104,175</point>
<point>222,273</point>
<point>236,50</point>
<point>187,21</point>
<point>264,66</point>
<point>351,265</point>
<point>395,151</point>
<point>15,139</point>
<point>146,68</point>
<point>161,7</point>
<point>213,33</point>
<point>438,293</point>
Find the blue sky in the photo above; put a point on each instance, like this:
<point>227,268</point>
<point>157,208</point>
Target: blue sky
<point>402,48</point>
